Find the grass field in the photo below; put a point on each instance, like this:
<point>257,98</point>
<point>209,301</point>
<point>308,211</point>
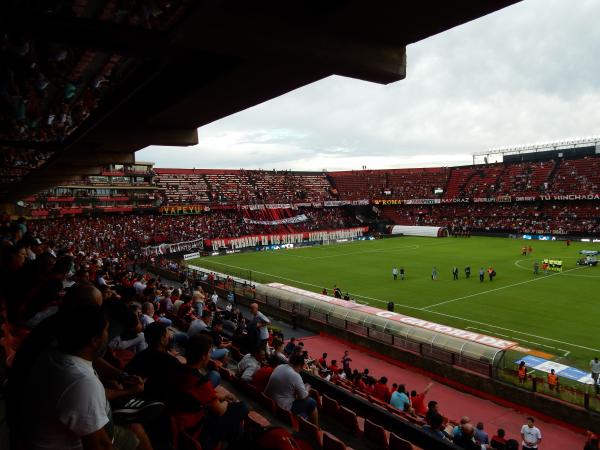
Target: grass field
<point>558,313</point>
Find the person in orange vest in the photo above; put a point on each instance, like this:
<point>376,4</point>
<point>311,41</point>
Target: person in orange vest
<point>522,372</point>
<point>552,380</point>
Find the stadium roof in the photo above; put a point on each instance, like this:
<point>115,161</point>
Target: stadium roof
<point>89,83</point>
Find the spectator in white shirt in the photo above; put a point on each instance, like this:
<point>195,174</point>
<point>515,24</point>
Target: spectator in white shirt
<point>260,322</point>
<point>147,314</point>
<point>65,404</point>
<point>250,364</point>
<point>532,436</point>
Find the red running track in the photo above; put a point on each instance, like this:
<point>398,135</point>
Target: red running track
<point>453,403</point>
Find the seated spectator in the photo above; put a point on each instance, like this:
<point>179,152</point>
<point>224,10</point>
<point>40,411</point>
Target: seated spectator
<point>333,367</point>
<point>381,390</point>
<point>250,364</point>
<point>498,442</point>
<point>261,377</point>
<point>220,349</point>
<point>436,427</point>
<point>198,405</point>
<point>287,389</point>
<point>418,400</point>
<point>466,438</point>
<point>399,399</point>
<point>289,347</point>
<point>480,435</point>
<point>200,325</point>
<point>131,337</point>
<point>457,430</point>
<point>147,314</point>
<point>432,411</point>
<point>322,362</point>
<point>185,310</point>
<point>277,357</point>
<point>65,404</point>
<point>155,364</point>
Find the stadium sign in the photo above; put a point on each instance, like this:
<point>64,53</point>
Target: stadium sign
<point>570,197</point>
<point>173,210</point>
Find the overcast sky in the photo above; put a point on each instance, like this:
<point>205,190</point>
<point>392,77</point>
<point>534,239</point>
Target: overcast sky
<point>529,73</point>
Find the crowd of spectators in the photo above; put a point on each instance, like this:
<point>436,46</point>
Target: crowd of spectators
<point>122,235</point>
<point>581,217</point>
<point>48,89</point>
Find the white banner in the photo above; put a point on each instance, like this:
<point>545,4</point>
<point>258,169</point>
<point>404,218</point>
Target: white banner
<point>296,219</point>
<point>164,249</point>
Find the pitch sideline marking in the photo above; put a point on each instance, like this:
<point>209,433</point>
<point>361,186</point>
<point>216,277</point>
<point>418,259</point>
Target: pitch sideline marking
<point>425,308</point>
<point>420,309</point>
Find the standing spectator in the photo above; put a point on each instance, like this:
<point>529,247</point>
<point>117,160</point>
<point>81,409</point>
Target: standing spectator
<point>531,435</point>
<point>260,322</point>
<point>214,298</point>
<point>552,380</point>
<point>346,360</point>
<point>595,368</point>
<point>287,389</point>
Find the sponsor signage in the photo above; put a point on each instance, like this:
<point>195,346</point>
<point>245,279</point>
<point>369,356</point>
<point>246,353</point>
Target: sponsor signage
<point>191,256</point>
<point>173,210</point>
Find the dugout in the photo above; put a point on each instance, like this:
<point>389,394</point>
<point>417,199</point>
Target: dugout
<point>423,231</point>
<point>466,349</point>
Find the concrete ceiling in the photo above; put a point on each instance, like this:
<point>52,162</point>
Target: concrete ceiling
<point>210,60</point>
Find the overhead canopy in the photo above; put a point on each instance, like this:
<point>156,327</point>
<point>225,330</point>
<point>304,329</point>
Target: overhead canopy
<point>460,342</point>
<point>116,80</point>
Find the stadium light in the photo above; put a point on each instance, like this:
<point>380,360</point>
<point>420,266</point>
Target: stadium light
<point>572,142</point>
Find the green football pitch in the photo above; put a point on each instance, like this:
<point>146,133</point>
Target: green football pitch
<point>556,313</point>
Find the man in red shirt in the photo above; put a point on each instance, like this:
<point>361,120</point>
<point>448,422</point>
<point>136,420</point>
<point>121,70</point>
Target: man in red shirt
<point>381,390</point>
<point>322,362</point>
<point>418,400</point>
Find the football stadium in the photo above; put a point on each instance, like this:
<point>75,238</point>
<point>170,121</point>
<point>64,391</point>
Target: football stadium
<point>410,297</point>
